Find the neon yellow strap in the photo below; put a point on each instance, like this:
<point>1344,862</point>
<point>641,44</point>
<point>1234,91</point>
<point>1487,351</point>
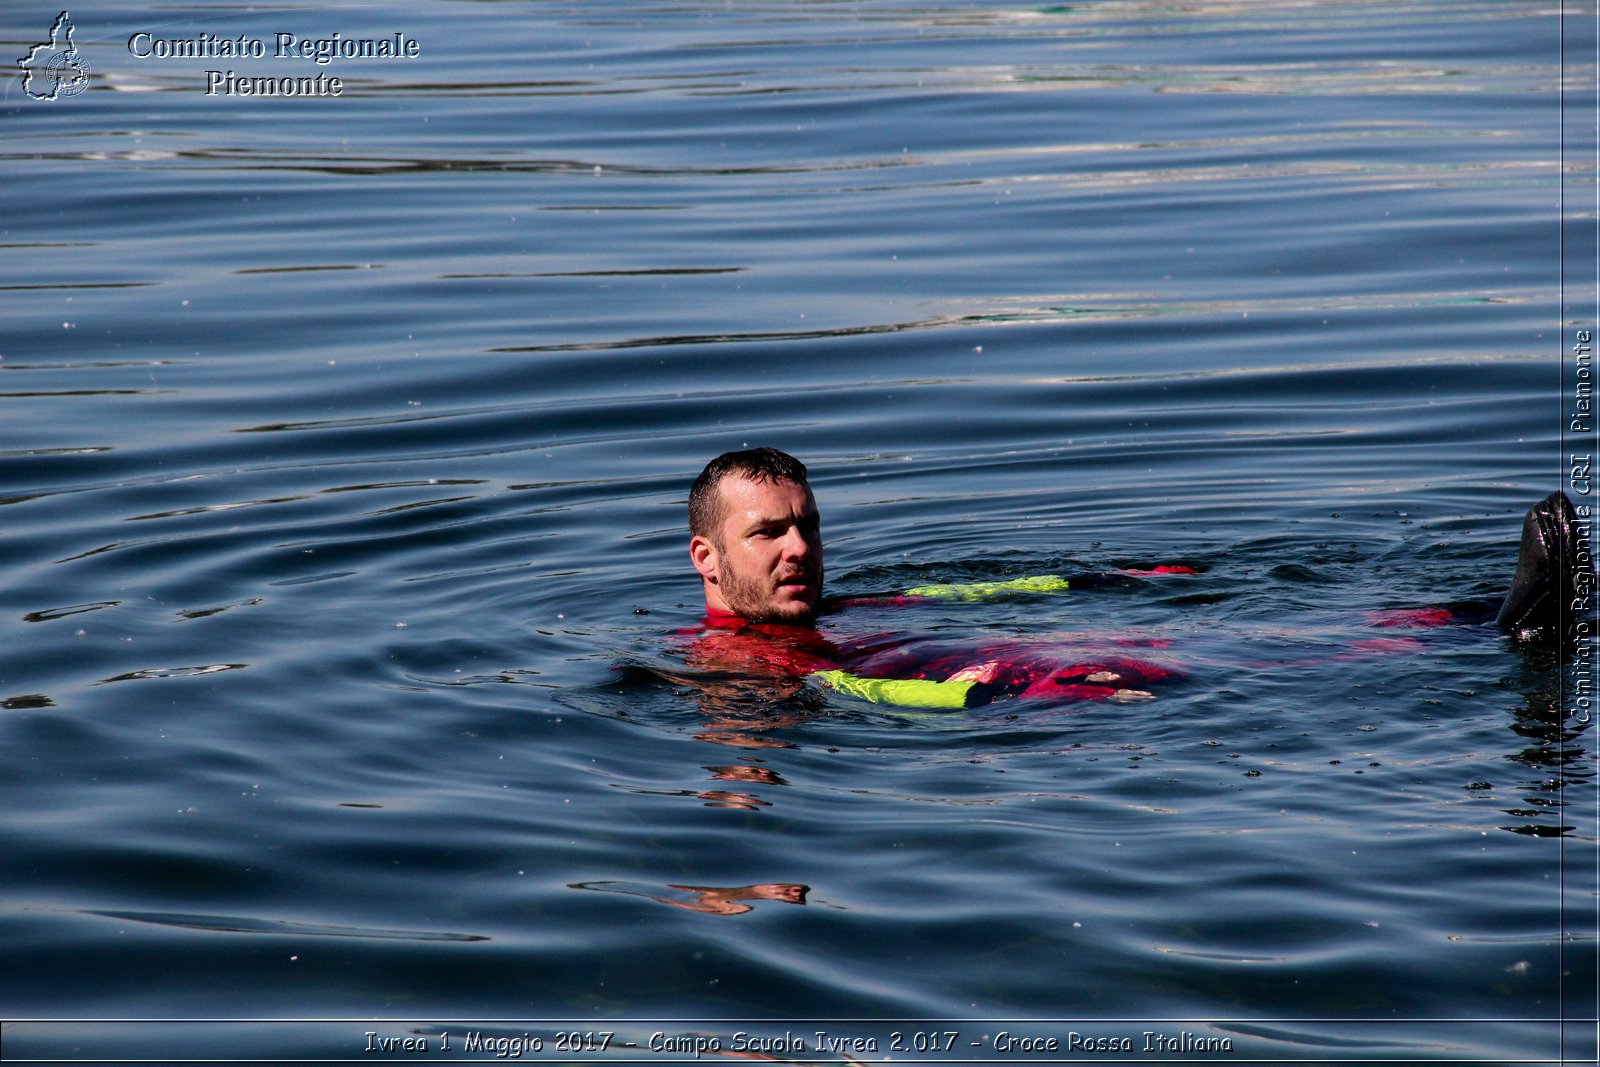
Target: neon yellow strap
<point>904,692</point>
<point>1038,583</point>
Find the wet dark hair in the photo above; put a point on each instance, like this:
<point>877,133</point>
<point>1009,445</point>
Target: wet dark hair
<point>758,464</point>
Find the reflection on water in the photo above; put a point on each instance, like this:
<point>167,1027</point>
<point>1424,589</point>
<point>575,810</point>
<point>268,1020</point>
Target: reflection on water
<point>709,900</point>
<point>1553,753</point>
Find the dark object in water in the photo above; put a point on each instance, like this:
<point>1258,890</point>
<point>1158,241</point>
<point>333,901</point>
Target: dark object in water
<point>1554,576</point>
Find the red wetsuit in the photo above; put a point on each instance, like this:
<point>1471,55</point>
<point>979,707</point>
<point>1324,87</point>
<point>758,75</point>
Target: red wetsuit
<point>1025,670</point>
<point>1057,669</point>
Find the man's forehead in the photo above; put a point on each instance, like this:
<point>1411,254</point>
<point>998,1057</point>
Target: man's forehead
<point>743,496</point>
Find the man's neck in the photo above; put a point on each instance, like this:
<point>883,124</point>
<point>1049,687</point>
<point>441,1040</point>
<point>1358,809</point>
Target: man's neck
<point>723,619</point>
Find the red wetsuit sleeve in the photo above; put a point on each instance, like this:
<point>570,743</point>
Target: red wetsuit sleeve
<point>1420,617</point>
<point>1165,568</point>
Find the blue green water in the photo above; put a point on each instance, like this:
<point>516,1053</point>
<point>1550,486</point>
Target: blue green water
<point>344,446</point>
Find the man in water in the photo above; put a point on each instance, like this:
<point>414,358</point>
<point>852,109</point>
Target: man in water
<point>756,542</point>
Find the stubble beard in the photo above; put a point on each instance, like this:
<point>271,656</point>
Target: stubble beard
<point>752,598</point>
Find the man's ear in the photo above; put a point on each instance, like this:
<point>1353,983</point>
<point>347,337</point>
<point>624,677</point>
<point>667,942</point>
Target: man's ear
<point>705,557</point>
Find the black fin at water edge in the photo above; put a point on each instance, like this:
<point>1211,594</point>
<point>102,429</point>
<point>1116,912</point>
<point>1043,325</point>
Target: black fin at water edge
<point>1555,574</point>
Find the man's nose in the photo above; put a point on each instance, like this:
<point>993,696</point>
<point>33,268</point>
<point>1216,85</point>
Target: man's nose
<point>795,544</point>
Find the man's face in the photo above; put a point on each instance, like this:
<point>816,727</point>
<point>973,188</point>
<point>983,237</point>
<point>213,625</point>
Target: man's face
<point>766,564</point>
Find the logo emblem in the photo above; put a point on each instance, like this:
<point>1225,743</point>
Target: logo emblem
<point>56,68</point>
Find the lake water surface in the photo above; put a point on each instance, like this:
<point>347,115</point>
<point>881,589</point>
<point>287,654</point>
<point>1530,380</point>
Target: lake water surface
<point>344,446</point>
